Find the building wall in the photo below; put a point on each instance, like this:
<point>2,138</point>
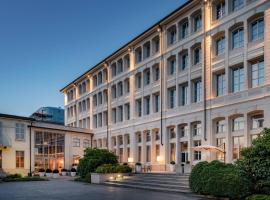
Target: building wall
<point>8,131</point>
<point>247,103</point>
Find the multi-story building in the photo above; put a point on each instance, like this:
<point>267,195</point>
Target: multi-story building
<point>200,76</point>
<point>27,145</point>
<point>50,115</point>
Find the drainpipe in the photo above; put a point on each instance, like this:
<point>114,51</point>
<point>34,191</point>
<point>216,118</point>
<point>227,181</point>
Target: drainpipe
<point>161,84</point>
<point>30,140</point>
<point>204,74</point>
<point>107,123</point>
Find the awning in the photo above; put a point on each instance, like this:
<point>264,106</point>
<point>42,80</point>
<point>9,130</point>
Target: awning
<point>208,148</point>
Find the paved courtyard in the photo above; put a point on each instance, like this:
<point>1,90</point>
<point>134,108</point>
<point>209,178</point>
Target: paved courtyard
<point>59,189</point>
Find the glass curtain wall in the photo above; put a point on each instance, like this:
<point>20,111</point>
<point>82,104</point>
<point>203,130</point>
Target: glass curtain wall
<point>49,150</point>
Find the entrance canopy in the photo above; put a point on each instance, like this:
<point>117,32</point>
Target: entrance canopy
<point>208,148</point>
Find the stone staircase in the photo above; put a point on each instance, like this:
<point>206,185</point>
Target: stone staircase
<point>154,181</point>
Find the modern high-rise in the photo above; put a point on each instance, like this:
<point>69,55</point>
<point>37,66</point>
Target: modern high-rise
<point>199,76</point>
<point>49,114</point>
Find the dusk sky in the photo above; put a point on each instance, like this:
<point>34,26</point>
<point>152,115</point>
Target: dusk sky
<point>46,44</point>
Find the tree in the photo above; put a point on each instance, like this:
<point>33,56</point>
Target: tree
<point>94,158</point>
<point>255,163</point>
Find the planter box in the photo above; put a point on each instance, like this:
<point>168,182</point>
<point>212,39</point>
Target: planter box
<point>41,174</point>
<point>138,168</point>
<point>55,175</point>
<point>73,174</point>
<point>172,168</point>
<point>101,178</point>
<point>48,175</point>
<point>63,173</point>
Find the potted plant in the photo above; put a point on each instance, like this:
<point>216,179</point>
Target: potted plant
<point>64,172</point>
<point>55,173</point>
<point>75,166</point>
<point>73,172</point>
<point>138,167</point>
<point>48,173</point>
<point>172,166</point>
<point>41,172</point>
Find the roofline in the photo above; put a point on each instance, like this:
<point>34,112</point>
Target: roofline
<point>128,43</point>
<point>16,117</point>
<point>59,129</point>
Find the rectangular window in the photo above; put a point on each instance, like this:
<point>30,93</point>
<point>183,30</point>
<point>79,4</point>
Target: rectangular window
<point>139,154</point>
<point>114,116</point>
<point>157,151</point>
<point>139,107</point>
<point>147,77</point>
<point>156,102</point>
<point>238,38</point>
<point>86,143</point>
<point>120,113</point>
<point>238,144</point>
<point>183,130</point>
<point>238,124</point>
<point>184,94</point>
<point>221,126</point>
<point>257,74</point>
<point>237,4</point>
<point>127,111</point>
<point>19,159</point>
<point>76,142</point>
<point>156,73</point>
<point>197,129</point>
<point>184,29</point>
<point>147,105</point>
<point>172,133</point>
<point>171,66</point>
<point>157,135</point>
<point>257,30</point>
<point>220,10</point>
<point>171,97</point>
<point>184,61</point>
<point>220,46</point>
<point>221,84</point>
<point>148,153</point>
<point>197,154</point>
<point>257,121</point>
<point>197,91</point>
<point>138,81</point>
<point>172,152</point>
<point>197,22</point>
<point>237,79</point>
<point>172,35</point>
<point>197,55</point>
<point>20,131</point>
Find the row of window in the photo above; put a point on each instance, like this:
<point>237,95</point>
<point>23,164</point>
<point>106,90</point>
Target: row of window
<point>121,88</point>
<point>19,131</point>
<point>100,78</point>
<point>76,142</point>
<point>100,98</point>
<point>100,119</point>
<point>123,64</point>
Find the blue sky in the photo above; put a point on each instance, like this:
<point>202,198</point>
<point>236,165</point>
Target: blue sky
<point>46,44</point>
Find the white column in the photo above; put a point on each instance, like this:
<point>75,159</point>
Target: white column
<point>177,146</point>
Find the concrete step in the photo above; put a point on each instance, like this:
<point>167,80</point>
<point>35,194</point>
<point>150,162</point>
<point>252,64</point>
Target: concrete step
<point>152,184</point>
<point>154,188</point>
<point>176,182</point>
<point>159,178</point>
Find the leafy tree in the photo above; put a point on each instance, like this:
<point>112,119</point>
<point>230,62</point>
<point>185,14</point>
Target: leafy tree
<point>94,158</point>
<point>255,163</point>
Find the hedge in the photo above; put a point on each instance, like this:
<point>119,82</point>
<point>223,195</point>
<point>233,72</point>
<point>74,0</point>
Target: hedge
<point>258,197</point>
<point>218,179</point>
<point>109,168</point>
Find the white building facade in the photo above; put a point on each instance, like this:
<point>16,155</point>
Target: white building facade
<point>27,145</point>
<point>200,76</point>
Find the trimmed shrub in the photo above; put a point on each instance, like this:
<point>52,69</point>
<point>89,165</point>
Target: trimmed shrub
<point>41,170</point>
<point>106,169</point>
<point>64,170</point>
<point>48,171</point>
<point>94,158</point>
<point>138,163</point>
<point>218,179</point>
<point>123,169</point>
<point>258,197</point>
<point>55,171</point>
<point>172,163</point>
<point>195,180</point>
<point>73,170</point>
<point>13,176</point>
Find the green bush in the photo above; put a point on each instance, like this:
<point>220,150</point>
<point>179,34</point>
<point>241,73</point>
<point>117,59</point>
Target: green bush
<point>106,168</point>
<point>218,179</point>
<point>258,197</point>
<point>255,163</point>
<point>93,158</point>
<point>12,176</point>
<point>195,180</point>
<point>123,169</point>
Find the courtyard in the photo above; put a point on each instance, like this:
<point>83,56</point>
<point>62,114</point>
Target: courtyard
<point>67,189</point>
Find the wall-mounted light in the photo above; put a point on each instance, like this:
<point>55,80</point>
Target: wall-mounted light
<point>159,158</point>
<point>130,160</point>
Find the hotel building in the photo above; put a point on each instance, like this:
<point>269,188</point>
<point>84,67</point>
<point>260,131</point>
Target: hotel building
<point>200,76</point>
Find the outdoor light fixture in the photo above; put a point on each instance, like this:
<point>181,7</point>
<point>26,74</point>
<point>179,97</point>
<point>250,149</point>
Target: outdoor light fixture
<point>159,158</point>
<point>111,178</point>
<point>158,29</point>
<point>130,160</point>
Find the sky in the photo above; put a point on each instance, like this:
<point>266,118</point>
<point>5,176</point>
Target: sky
<point>46,44</point>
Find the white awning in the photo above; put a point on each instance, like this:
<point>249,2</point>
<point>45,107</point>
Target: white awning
<point>208,148</point>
